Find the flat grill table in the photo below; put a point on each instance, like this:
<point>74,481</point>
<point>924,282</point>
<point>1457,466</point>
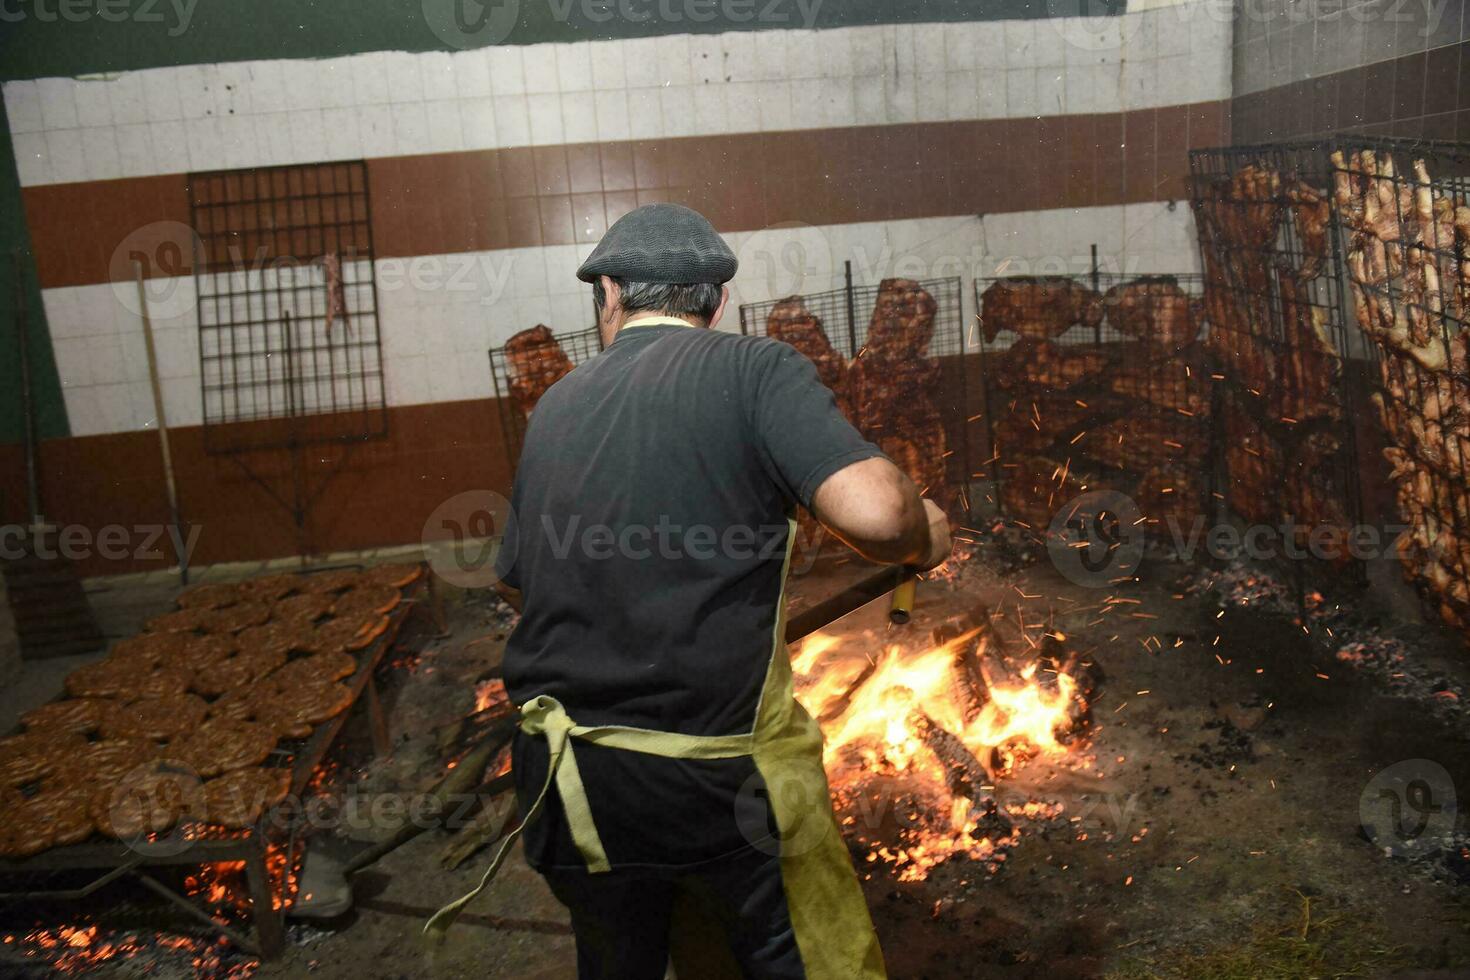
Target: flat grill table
<point>118,859</point>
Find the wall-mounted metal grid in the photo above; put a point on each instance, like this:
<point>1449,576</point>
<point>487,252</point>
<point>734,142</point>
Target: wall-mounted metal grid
<point>1279,342</point>
<point>289,347</point>
<point>1097,382</point>
<point>1404,211</point>
<point>528,364</point>
<point>892,353</point>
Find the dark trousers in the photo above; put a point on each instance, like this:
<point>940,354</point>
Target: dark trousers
<point>725,919</point>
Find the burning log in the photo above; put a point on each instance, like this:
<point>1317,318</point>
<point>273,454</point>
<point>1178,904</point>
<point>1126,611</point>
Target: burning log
<point>966,775</point>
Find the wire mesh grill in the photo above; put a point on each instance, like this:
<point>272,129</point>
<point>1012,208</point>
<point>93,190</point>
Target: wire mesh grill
<point>893,356</point>
<point>289,347</point>
<point>1404,209</point>
<point>529,363</point>
<point>1096,382</point>
<point>1278,339</point>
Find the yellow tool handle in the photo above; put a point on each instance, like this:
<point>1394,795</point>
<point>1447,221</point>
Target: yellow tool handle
<point>903,597</point>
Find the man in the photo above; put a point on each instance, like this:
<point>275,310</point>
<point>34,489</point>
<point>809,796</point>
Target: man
<point>649,540</point>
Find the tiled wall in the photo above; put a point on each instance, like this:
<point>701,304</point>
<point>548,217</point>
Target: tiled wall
<point>382,104</point>
<point>1385,67</point>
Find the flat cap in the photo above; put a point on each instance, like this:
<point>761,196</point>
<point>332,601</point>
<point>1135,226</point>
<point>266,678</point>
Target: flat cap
<point>663,243</point>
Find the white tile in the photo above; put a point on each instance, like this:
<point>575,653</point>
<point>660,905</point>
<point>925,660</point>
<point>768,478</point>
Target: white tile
<point>436,68</point>
<point>161,94</point>
<point>337,84</point>
<point>340,128</point>
<point>676,102</point>
<point>929,46</point>
<point>23,107</point>
<point>267,87</point>
<point>308,136</point>
<point>527,274</point>
<point>709,113</point>
<point>869,103</point>
<point>507,72</point>
<point>645,113</point>
<point>962,96</point>
<point>960,46</point>
<point>1021,93</point>
<point>1020,39</point>
<point>903,106</point>
<point>608,69</point>
<point>232,86</point>
<point>237,141</point>
<point>104,355</point>
<point>613,123</point>
<point>673,62</point>
<point>574,66</point>
<point>990,86</point>
<point>512,122</point>
<point>58,102</point>
<point>32,159</point>
<point>771,55</point>
<point>446,134</point>
<point>640,58</point>
<point>93,106</point>
<point>1139,84</point>
<point>125,96</point>
<point>742,111</point>
<point>73,365</point>
<point>477,117</point>
<point>841,105</point>
<point>97,307</point>
<point>83,415</point>
<point>775,103</point>
<point>579,117</point>
<point>540,68</point>
<point>64,154</point>
<point>706,59</point>
<point>405,81</point>
<point>1057,87</point>
<point>370,78</point>
<point>738,49</point>
<point>195,85</point>
<point>544,110</point>
<point>932,91</point>
<point>100,153</point>
<point>181,401</point>
<point>410,127</point>
<point>471,73</point>
<point>803,56</point>
<point>272,138</point>
<point>406,379</point>
<point>60,304</point>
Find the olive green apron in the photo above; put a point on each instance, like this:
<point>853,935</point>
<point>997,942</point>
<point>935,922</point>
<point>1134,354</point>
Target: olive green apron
<point>828,913</point>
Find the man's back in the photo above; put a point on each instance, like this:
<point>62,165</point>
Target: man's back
<point>651,530</point>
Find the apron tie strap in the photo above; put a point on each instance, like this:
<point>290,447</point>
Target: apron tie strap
<point>544,715</point>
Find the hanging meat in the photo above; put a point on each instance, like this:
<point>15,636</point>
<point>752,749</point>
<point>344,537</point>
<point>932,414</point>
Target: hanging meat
<point>536,362</point>
<point>791,322</point>
<point>1153,309</point>
<point>1037,307</point>
<point>1033,364</point>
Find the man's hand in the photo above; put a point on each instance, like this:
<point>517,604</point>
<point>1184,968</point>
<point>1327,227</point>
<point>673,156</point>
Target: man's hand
<point>939,542</point>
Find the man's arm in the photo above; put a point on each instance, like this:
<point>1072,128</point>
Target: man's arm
<point>876,509</point>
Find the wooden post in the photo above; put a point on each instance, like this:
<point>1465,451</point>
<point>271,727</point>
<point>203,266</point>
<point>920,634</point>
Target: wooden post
<point>168,460</point>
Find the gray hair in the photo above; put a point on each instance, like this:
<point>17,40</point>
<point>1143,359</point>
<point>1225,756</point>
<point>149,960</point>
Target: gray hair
<point>699,299</point>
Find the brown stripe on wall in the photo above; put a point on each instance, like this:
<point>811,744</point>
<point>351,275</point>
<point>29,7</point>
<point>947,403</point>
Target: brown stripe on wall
<point>558,195</point>
<point>1424,95</point>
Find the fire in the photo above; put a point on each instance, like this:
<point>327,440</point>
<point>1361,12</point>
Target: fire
<point>915,739</point>
<point>489,693</point>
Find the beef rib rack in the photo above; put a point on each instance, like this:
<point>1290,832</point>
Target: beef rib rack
<point>536,362</point>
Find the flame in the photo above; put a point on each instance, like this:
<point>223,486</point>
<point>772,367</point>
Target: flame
<point>489,693</point>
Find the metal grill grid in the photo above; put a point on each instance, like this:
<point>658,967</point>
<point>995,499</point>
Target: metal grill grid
<point>522,373</point>
<point>1096,382</point>
<point>1273,301</point>
<point>914,404</point>
<point>1405,212</point>
<point>289,346</point>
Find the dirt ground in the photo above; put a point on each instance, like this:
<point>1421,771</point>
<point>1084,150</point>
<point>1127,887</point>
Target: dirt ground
<point>1215,806</point>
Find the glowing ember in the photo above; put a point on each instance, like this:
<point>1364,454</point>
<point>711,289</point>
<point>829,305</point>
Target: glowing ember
<point>914,739</point>
<point>84,949</point>
<point>490,693</point>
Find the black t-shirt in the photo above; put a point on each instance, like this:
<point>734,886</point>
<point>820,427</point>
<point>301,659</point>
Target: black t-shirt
<point>648,538</point>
